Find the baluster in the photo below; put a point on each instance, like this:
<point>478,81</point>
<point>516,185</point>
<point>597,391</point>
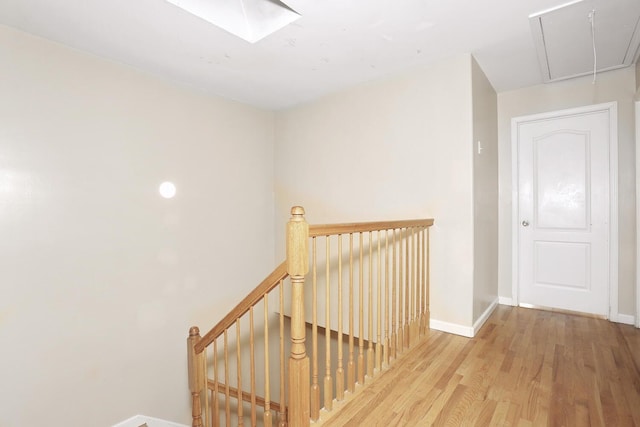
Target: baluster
<point>386,297</point>
<point>427,284</point>
<point>351,368</point>
<point>297,267</point>
<point>370,351</point>
<point>340,369</point>
<point>210,421</point>
<point>227,393</point>
<point>400,295</point>
<point>266,417</point>
<point>379,315</point>
<point>282,415</point>
<point>205,389</point>
<point>394,303</point>
<point>407,323</point>
<point>421,281</point>
<point>361,366</point>
<point>328,381</point>
<point>216,389</point>
<point>315,388</point>
<point>414,296</point>
<point>252,356</point>
<point>195,365</point>
<point>425,295</point>
<point>239,376</point>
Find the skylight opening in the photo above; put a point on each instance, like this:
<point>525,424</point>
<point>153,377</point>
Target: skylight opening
<point>251,20</point>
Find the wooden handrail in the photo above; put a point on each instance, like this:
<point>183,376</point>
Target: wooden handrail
<point>281,271</point>
<point>263,288</point>
<point>358,227</point>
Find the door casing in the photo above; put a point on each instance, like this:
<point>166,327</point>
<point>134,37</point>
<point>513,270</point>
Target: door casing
<point>612,109</point>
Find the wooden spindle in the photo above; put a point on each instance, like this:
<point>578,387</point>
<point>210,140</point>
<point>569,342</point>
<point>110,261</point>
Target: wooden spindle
<point>328,380</point>
<point>361,365</point>
<point>351,368</point>
<point>394,303</point>
<point>213,421</point>
<point>340,368</point>
<point>386,297</point>
<point>315,387</point>
<point>239,375</point>
<point>205,388</point>
<point>423,282</point>
<point>266,416</point>
<point>370,350</point>
<point>420,283</point>
<point>297,267</point>
<point>414,287</point>
<point>252,361</point>
<point>282,415</point>
<point>407,321</point>
<point>400,294</point>
<point>227,391</point>
<point>427,283</point>
<point>195,364</point>
<point>216,389</point>
<point>379,311</point>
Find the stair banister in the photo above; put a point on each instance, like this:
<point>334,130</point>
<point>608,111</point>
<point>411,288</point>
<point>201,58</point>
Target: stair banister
<point>297,267</point>
<point>406,296</point>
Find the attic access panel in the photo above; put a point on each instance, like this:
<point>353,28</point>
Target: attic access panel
<point>564,40</point>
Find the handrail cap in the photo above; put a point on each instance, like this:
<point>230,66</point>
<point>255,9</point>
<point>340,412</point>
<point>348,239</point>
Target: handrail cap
<point>194,331</point>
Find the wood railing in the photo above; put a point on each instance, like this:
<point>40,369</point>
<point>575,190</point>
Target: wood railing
<point>374,290</point>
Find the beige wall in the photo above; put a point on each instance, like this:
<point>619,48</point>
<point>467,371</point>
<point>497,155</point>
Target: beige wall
<point>398,148</point>
<point>617,86</point>
<point>485,192</point>
<point>100,277</point>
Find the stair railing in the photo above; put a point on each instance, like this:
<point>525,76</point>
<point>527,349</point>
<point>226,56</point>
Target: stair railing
<point>390,298</point>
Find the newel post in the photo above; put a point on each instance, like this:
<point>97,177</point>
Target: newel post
<point>196,375</point>
<point>297,267</point>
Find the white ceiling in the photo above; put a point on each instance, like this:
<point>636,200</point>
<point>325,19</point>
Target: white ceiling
<point>334,45</point>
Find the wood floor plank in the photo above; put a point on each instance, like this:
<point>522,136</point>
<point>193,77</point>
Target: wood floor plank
<point>524,368</point>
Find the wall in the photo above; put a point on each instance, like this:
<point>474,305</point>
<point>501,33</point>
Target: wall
<point>617,86</point>
<point>397,148</point>
<point>485,193</point>
<point>101,278</point>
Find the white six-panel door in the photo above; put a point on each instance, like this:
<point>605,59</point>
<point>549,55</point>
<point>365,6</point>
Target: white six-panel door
<point>563,223</point>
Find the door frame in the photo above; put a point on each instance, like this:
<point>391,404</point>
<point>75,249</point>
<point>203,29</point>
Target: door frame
<point>637,322</point>
<point>612,109</point>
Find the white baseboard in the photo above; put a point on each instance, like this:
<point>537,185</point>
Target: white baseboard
<point>138,420</point>
<point>505,301</point>
<point>465,331</point>
<point>627,319</point>
<point>483,318</point>
<point>451,328</point>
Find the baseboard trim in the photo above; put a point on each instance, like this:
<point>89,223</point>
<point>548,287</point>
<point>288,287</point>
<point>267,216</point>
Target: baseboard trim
<point>505,301</point>
<point>139,420</point>
<point>626,319</point>
<point>451,328</point>
<point>483,318</point>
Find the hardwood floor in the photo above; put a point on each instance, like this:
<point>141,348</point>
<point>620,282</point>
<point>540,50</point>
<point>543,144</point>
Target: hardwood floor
<point>524,368</point>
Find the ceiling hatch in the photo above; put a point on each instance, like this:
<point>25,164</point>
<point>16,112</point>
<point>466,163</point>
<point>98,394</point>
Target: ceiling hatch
<point>582,36</point>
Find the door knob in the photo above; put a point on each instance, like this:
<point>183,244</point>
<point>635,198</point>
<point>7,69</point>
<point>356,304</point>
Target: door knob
<point>525,223</point>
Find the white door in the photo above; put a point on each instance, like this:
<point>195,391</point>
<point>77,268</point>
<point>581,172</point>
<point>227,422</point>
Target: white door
<point>563,211</point>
